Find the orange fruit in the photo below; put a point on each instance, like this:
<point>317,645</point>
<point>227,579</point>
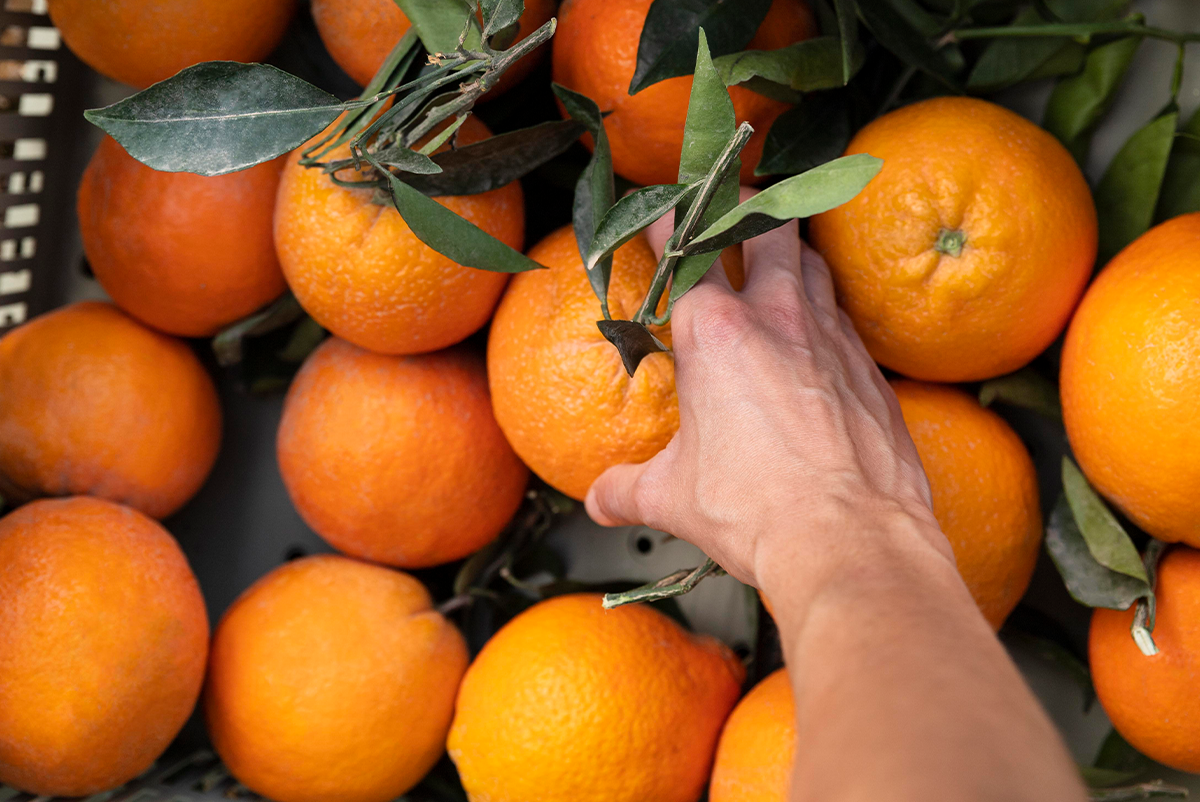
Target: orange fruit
<point>332,679</point>
<point>965,256</point>
<point>571,702</point>
<point>1152,701</point>
<point>103,640</point>
<point>1130,381</point>
<point>559,390</point>
<point>359,270</point>
<point>985,493</point>
<point>398,459</point>
<point>96,403</point>
<point>757,746</point>
<point>360,34</point>
<point>595,53</point>
<point>184,253</point>
<point>141,42</point>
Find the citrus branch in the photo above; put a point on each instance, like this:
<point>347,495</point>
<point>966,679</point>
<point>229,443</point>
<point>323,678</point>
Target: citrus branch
<point>1143,614</point>
<point>684,233</point>
<point>676,584</point>
<point>1082,30</point>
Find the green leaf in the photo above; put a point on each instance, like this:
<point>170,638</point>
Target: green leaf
<point>595,192</point>
<point>440,23</point>
<point>1087,10</point>
<point>711,124</point>
<point>1181,184</point>
<point>1007,61</point>
<point>847,23</point>
<point>452,235</point>
<point>906,33</point>
<point>1057,654</point>
<point>633,341</point>
<point>814,132</point>
<point>1128,193</point>
<point>305,338</point>
<point>406,159</point>
<point>1155,789</point>
<point>218,117</point>
<point>1106,538</point>
<point>630,215</point>
<point>1116,762</point>
<point>228,344</point>
<point>804,66</point>
<point>1088,582</point>
<point>1078,103</point>
<point>1027,389</point>
<point>499,14</point>
<point>667,47</point>
<point>496,161</point>
<point>818,190</point>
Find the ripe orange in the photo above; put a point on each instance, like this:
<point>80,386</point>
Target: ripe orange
<point>985,493</point>
<point>965,256</point>
<point>573,703</point>
<point>757,746</point>
<point>398,459</point>
<point>140,42</point>
<point>183,253</point>
<point>103,640</point>
<point>360,34</point>
<point>559,390</point>
<point>332,679</point>
<point>95,403</point>
<point>1131,381</point>
<point>1152,701</point>
<point>359,270</point>
<point>595,53</point>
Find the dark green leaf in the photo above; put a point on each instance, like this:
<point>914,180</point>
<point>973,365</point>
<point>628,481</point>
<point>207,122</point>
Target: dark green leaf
<point>498,160</point>
<point>1087,10</point>
<point>305,338</point>
<point>815,132</point>
<point>1106,538</point>
<point>227,344</point>
<point>1117,761</point>
<point>440,23</point>
<point>406,159</point>
<point>910,42</point>
<point>1089,582</point>
<point>667,47</point>
<point>218,117</point>
<point>633,341</point>
<point>630,215</point>
<point>1181,184</point>
<point>1027,389</point>
<point>804,66</point>
<point>711,124</point>
<point>452,235</point>
<point>818,190</point>
<point>499,14</point>
<point>1058,655</point>
<point>1067,61</point>
<point>1077,103</point>
<point>847,23</point>
<point>595,192</point>
<point>1128,193</point>
<point>1006,61</point>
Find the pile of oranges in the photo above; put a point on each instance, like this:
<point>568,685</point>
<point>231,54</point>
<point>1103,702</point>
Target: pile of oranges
<point>335,676</point>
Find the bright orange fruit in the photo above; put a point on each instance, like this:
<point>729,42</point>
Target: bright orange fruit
<point>1131,381</point>
<point>595,53</point>
<point>757,746</point>
<point>332,679</point>
<point>398,459</point>
<point>964,258</point>
<point>103,641</point>
<point>570,702</point>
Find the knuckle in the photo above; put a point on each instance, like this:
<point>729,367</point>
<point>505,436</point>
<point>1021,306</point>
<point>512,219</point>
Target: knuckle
<point>716,319</point>
<point>786,315</point>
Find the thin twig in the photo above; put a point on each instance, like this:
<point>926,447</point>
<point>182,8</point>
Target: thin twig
<point>676,584</point>
<point>1143,614</point>
<point>1084,30</point>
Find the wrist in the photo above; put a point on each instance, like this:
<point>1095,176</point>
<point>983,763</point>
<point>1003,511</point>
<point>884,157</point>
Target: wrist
<point>850,550</point>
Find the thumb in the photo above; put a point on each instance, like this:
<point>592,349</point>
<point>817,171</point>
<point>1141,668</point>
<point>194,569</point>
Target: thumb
<point>612,498</point>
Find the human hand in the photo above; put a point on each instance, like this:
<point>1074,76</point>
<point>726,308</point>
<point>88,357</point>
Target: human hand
<point>789,436</point>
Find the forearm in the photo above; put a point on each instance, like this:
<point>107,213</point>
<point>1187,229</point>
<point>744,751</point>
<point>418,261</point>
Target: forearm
<point>902,691</point>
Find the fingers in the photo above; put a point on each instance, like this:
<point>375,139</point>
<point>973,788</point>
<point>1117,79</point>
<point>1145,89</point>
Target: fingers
<point>611,500</point>
<point>659,232</point>
<point>818,283</point>
<point>771,256</point>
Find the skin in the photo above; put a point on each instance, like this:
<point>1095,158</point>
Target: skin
<point>793,469</point>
